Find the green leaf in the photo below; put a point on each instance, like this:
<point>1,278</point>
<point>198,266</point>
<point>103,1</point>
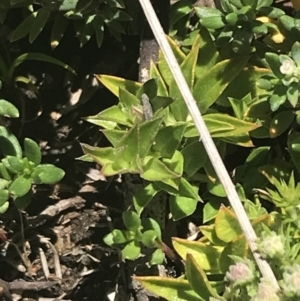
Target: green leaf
<point>226,225</point>
<point>155,170</point>
<point>143,197</point>
<point>216,188</point>
<point>20,186</point>
<point>274,63</point>
<point>210,18</point>
<point>208,56</point>
<point>39,23</point>
<point>4,196</point>
<point>24,201</point>
<point>33,56</point>
<point>4,207</point>
<point>278,97</point>
<point>198,280</point>
<point>178,107</point>
<point>195,156</point>
<point>121,237</point>
<point>281,122</point>
<point>131,251</point>
<point>32,151</point>
<point>188,190</point>
<point>157,257</point>
<point>293,94</point>
<point>24,28</point>
<point>47,174</point>
<point>99,29</point>
<point>206,256</point>
<point>182,207</point>
<point>128,99</point>
<point>131,220</point>
<point>211,208</point>
<point>295,52</point>
<point>58,30</point>
<point>113,84</point>
<point>169,289</point>
<point>149,238</point>
<point>212,83</point>
<point>151,224</point>
<point>8,109</point>
<point>9,144</point>
<point>114,136</point>
<point>14,164</point>
<point>168,139</point>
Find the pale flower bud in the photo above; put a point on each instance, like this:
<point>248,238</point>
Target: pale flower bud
<point>266,292</point>
<point>287,67</point>
<point>240,273</point>
<point>271,246</point>
<point>291,281</point>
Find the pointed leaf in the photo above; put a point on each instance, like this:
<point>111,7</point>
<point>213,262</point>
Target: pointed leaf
<point>24,28</point>
<point>169,289</point>
<point>58,29</point>
<point>114,83</point>
<point>39,23</point>
<point>211,84</point>
<point>32,151</point>
<point>182,207</point>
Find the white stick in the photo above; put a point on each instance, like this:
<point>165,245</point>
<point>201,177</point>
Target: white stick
<point>208,143</point>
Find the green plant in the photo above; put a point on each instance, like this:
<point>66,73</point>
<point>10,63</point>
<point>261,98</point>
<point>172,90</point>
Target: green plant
<point>146,231</point>
<point>88,16</point>
<point>17,172</point>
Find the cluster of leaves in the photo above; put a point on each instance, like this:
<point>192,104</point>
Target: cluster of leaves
<point>89,17</point>
<point>17,172</point>
<point>145,231</point>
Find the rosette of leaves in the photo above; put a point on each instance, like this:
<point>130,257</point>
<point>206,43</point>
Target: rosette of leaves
<point>165,150</point>
<point>88,16</point>
<point>17,172</point>
<point>240,22</point>
<point>138,231</point>
<point>283,84</point>
<point>208,259</point>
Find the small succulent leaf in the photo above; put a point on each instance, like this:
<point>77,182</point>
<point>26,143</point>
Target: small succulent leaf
<point>32,151</point>
<point>281,122</point>
<point>188,190</point>
<point>175,163</point>
<point>151,224</point>
<point>39,23</point>
<point>47,174</point>
<point>131,220</point>
<point>157,257</point>
<point>294,148</point>
<point>24,28</point>
<point>206,256</point>
<point>278,97</point>
<point>131,251</point>
<point>4,196</point>
<point>190,152</point>
<point>209,85</point>
<point>114,136</point>
<point>168,140</point>
<point>4,207</point>
<point>113,84</point>
<point>181,206</point>
<point>216,188</point>
<point>121,237</point>
<point>149,238</point>
<point>198,279</point>
<point>4,172</point>
<point>211,208</point>
<point>14,164</point>
<point>128,99</point>
<point>58,29</point>
<point>161,86</point>
<point>293,94</point>
<point>169,288</point>
<point>273,61</point>
<point>143,197</point>
<point>109,239</point>
<point>163,65</point>
<point>178,107</point>
<point>102,155</point>
<point>295,52</point>
<point>239,107</point>
<point>9,144</point>
<point>24,201</point>
<point>208,58</point>
<point>227,225</point>
<point>147,136</point>
<point>8,109</point>
<point>156,170</point>
<point>20,186</point>
<point>3,183</point>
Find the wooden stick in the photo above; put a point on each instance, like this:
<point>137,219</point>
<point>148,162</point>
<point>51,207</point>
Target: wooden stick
<point>207,140</point>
